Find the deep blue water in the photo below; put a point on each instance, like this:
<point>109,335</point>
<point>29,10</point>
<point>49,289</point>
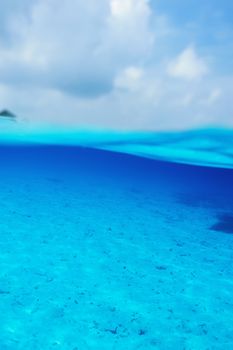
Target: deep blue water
<point>106,250</point>
<point>74,163</point>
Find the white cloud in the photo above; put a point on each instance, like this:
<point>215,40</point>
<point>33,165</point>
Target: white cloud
<point>213,96</point>
<point>105,63</point>
<point>130,78</point>
<point>80,47</point>
<point>188,65</point>
<point>123,9</point>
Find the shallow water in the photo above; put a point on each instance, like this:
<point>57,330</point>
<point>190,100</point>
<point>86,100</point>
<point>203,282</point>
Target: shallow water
<point>106,250</point>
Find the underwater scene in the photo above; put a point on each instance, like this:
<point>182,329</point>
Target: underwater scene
<point>116,241</point>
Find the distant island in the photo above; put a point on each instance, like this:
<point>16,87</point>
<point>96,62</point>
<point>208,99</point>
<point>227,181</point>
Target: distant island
<point>5,113</point>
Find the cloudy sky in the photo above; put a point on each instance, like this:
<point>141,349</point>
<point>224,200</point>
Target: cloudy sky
<point>123,64</point>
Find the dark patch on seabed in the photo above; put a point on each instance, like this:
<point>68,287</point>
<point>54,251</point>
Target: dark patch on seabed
<point>224,224</point>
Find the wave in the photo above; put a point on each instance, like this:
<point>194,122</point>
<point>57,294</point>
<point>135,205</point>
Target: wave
<point>206,147</point>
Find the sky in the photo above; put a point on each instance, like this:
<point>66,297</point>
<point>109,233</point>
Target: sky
<point>119,64</point>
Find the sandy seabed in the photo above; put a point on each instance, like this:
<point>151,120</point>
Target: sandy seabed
<point>105,264</point>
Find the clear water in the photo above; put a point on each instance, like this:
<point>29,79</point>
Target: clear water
<point>105,250</point>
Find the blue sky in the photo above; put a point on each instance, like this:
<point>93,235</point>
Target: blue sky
<point>122,64</point>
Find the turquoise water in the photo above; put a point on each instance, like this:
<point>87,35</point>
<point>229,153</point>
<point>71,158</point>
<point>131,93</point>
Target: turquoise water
<point>116,241</point>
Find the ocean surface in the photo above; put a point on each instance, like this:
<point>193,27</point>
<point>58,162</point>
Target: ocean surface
<point>114,241</point>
